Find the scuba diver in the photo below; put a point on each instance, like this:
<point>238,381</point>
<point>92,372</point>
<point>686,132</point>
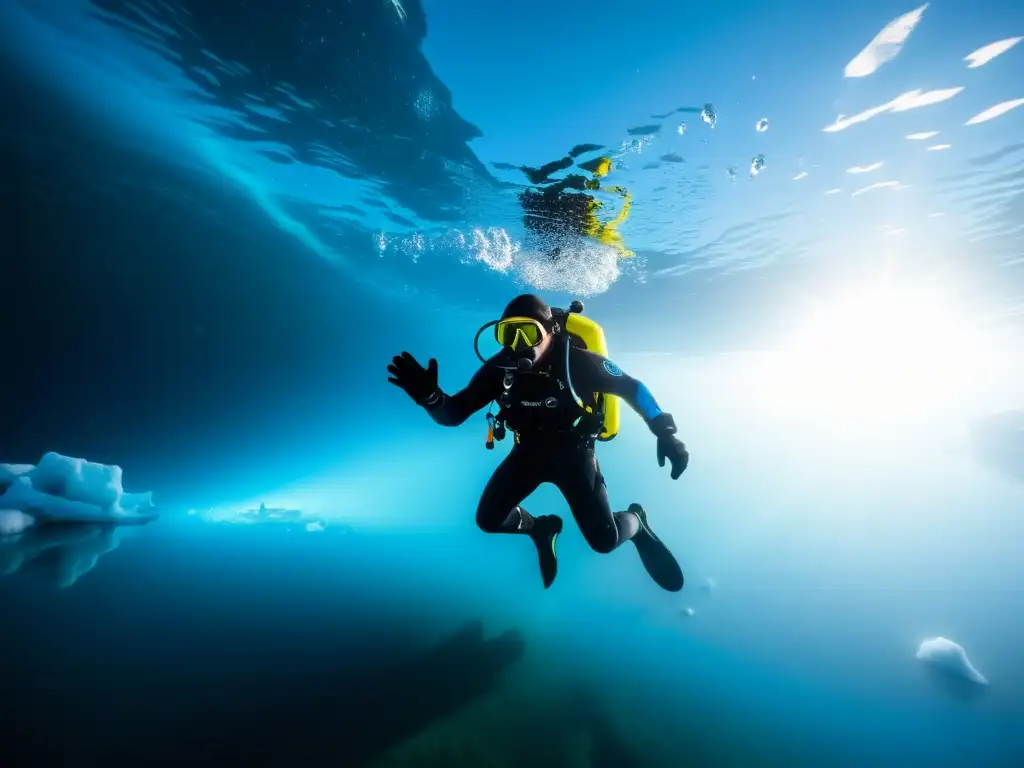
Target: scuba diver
<point>563,207</point>
<point>558,392</point>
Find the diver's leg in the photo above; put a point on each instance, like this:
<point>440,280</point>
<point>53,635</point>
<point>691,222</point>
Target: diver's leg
<point>584,488</point>
<point>500,509</point>
<point>578,476</point>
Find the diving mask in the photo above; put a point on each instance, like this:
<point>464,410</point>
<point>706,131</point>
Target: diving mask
<point>518,333</point>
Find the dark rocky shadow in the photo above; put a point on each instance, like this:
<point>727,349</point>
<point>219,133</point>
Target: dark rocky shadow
<point>352,717</point>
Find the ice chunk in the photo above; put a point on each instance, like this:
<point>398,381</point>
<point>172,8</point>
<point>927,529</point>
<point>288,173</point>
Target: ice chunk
<point>993,112</point>
<point>917,99</point>
<point>877,185</point>
<point>886,45</point>
<point>939,147</point>
<point>70,490</point>
<point>14,521</point>
<point>688,612</point>
<point>284,516</point>
<point>922,135</point>
<point>801,175</point>
<point>865,168</point>
<point>905,101</point>
<point>77,480</point>
<point>11,472</point>
<point>986,53</point>
<point>949,657</point>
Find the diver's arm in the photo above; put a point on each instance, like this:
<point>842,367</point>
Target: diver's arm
<point>453,410</point>
<point>593,373</point>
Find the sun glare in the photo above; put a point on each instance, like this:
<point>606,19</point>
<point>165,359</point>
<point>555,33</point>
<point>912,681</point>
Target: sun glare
<point>881,353</point>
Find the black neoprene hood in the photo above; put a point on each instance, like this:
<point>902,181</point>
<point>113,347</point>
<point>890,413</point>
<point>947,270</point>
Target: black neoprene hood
<point>529,305</point>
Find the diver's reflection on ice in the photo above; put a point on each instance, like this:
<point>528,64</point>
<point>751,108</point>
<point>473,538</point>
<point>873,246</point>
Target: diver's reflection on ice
<point>58,554</point>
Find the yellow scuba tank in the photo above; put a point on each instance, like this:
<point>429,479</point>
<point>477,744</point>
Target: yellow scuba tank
<point>592,337</point>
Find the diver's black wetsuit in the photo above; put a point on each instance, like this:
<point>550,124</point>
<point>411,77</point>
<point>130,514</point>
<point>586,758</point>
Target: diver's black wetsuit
<point>540,407</point>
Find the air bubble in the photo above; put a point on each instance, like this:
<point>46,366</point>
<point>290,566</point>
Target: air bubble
<point>757,165</point>
<point>708,115</point>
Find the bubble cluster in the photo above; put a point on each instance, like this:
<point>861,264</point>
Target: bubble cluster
<point>681,128</point>
<point>492,247</point>
<point>708,115</point>
<point>757,165</point>
<point>426,104</point>
<point>635,145</point>
<point>761,125</point>
<point>582,267</point>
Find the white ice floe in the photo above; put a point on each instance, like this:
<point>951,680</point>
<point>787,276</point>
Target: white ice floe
<point>993,112</point>
<point>865,168</point>
<point>886,45</point>
<point>922,135</point>
<point>62,489</point>
<point>905,101</point>
<point>986,53</point>
<point>876,185</point>
<point>14,521</point>
<point>949,657</point>
<point>287,516</point>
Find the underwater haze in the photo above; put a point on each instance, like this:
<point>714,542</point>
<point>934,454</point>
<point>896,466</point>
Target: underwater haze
<point>225,538</point>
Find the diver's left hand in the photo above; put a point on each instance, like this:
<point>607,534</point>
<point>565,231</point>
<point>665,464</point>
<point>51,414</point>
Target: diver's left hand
<point>672,448</point>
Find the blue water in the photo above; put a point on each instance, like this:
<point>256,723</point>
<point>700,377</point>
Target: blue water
<point>222,220</point>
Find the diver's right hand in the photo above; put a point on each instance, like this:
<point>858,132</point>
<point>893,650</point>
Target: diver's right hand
<point>418,382</point>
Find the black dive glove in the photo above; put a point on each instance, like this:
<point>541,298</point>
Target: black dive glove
<point>669,446</point>
<point>418,382</point>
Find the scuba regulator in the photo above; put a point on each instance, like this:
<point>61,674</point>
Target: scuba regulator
<point>496,429</point>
